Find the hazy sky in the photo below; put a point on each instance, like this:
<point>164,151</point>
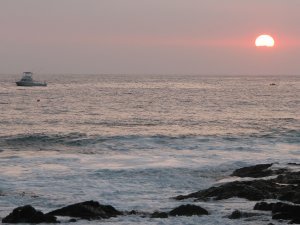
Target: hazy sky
<point>149,36</point>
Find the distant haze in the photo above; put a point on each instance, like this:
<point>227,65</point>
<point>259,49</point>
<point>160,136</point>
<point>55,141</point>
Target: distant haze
<point>148,36</point>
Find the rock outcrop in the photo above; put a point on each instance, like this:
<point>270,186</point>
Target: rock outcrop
<point>28,214</point>
<point>263,206</point>
<point>87,210</point>
<point>281,211</point>
<point>183,210</point>
<point>188,210</point>
<point>256,171</point>
<point>237,214</point>
<point>284,187</point>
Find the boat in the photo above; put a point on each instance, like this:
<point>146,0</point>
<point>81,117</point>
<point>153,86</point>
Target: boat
<point>27,80</point>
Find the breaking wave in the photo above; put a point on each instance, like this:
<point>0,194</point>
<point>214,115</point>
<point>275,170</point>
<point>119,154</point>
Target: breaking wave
<point>42,141</point>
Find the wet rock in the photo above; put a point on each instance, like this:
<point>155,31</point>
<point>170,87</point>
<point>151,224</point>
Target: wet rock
<point>254,190</point>
<point>251,190</point>
<point>289,178</point>
<point>183,210</point>
<point>138,213</point>
<point>87,210</point>
<point>290,193</point>
<point>295,221</point>
<point>28,214</point>
<point>294,164</point>
<point>188,210</point>
<point>260,170</point>
<point>263,206</point>
<point>235,215</point>
<point>159,215</point>
<point>132,212</point>
<point>238,215</point>
<point>286,212</point>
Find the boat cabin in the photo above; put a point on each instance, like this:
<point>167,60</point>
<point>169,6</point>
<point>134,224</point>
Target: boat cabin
<point>27,76</point>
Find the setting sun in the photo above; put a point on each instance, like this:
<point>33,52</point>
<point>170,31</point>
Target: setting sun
<point>264,41</point>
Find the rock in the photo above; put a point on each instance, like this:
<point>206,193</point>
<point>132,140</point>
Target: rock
<point>290,193</point>
<point>238,214</point>
<point>295,221</point>
<point>263,206</point>
<point>87,210</point>
<point>289,178</point>
<point>235,215</point>
<point>286,186</point>
<point>183,210</point>
<point>294,164</point>
<point>138,213</point>
<point>133,212</point>
<point>28,214</point>
<point>159,215</point>
<point>286,212</point>
<point>251,190</point>
<point>188,210</point>
<point>260,170</point>
<point>254,190</point>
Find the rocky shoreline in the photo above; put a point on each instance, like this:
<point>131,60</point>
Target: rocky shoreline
<point>262,182</point>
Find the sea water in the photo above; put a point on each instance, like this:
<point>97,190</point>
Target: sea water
<point>136,141</point>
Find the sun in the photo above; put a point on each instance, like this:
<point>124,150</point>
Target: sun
<point>264,40</point>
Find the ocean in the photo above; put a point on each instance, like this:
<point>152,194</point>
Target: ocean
<point>136,141</point>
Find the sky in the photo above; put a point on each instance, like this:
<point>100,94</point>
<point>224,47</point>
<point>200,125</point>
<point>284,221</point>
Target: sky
<point>149,37</point>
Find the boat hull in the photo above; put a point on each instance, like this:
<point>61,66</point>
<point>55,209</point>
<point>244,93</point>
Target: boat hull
<point>31,84</point>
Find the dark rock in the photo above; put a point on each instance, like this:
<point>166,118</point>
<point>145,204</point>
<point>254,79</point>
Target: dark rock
<point>280,171</point>
<point>87,210</point>
<point>286,211</point>
<point>254,190</point>
<point>263,206</point>
<point>280,216</point>
<point>28,214</point>
<point>138,213</point>
<point>159,215</point>
<point>251,190</point>
<point>290,193</point>
<point>295,221</point>
<point>188,210</point>
<point>294,164</point>
<point>133,212</point>
<point>260,170</point>
<point>289,178</point>
<point>72,220</point>
<point>236,214</point>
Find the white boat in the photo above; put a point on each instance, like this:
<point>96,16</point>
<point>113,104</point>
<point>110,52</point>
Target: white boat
<point>27,80</point>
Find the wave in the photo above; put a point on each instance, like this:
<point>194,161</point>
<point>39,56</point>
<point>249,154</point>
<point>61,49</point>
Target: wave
<point>72,139</point>
<point>280,135</point>
<point>128,142</point>
<point>40,139</point>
